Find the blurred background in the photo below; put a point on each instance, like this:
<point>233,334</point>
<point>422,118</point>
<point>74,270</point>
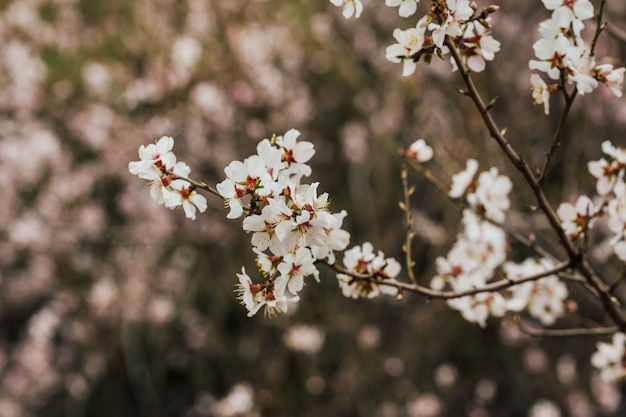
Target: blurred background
<point>111,305</point>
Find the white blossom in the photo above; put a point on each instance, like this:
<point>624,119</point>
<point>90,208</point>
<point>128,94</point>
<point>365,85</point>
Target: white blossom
<point>609,358</point>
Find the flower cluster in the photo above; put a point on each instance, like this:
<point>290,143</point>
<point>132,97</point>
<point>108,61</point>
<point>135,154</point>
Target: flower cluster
<point>470,264</point>
<point>545,298</point>
<point>469,32</point>
<point>363,262</point>
<point>562,54</point>
<point>481,249</point>
<point>611,189</point>
<point>291,225</point>
<point>168,178</point>
<point>488,194</point>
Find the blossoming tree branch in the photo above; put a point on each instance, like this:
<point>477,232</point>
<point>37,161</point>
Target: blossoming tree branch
<point>293,230</point>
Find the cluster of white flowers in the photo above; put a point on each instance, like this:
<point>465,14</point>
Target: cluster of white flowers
<point>481,249</point>
<point>488,194</point>
<point>577,219</point>
<point>457,19</point>
<point>545,298</point>
<point>168,183</point>
<point>290,223</point>
<point>563,54</point>
<point>362,261</point>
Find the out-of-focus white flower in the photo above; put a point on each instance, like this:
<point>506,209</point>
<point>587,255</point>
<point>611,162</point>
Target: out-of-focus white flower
<point>462,180</point>
<point>491,195</point>
<point>238,402</point>
<point>304,338</point>
<point>350,7</point>
<point>420,151</point>
<point>544,408</point>
<point>544,298</point>
<point>609,358</point>
<point>406,8</point>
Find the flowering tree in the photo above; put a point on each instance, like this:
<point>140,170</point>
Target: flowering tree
<point>492,269</point>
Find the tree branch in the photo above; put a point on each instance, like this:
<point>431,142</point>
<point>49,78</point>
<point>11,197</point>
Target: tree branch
<point>447,295</point>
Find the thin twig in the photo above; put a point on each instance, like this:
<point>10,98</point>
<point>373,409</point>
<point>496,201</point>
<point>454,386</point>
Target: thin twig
<point>599,28</point>
<point>408,220</point>
<point>556,139</point>
<point>197,184</point>
<point>579,331</point>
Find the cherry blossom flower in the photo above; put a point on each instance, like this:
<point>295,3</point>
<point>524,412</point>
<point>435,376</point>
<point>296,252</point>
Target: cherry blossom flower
<point>251,295</point>
<point>255,296</point>
<point>463,180</point>
<point>478,46</point>
<point>449,21</point>
<point>616,211</point>
<point>168,185</point>
<point>491,195</point>
<point>420,151</point>
<point>612,77</point>
<point>566,11</point>
<point>294,267</point>
<point>551,53</point>
<point>406,8</point>
<point>477,308</point>
<point>181,193</point>
<point>153,157</point>
<point>609,358</point>
<point>264,226</point>
<point>575,220</point>
<point>579,65</point>
<point>606,173</point>
<point>410,42</point>
<point>540,92</point>
<point>295,153</point>
<point>350,7</point>
<point>243,178</point>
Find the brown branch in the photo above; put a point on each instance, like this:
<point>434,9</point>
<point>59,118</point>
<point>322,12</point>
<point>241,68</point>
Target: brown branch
<point>408,220</point>
<point>579,331</point>
<point>447,295</point>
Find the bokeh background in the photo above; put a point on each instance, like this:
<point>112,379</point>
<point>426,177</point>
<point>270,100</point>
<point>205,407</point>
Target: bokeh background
<point>113,306</point>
